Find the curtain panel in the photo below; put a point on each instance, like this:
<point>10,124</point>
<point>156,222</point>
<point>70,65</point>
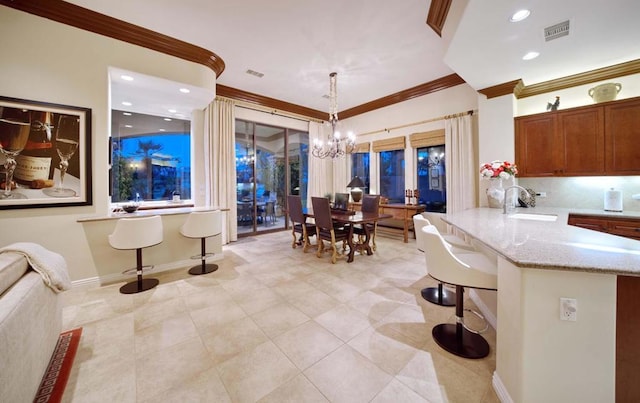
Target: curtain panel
<point>459,163</point>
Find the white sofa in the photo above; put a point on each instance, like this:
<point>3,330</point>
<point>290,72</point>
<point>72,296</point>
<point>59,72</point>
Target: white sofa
<point>30,323</point>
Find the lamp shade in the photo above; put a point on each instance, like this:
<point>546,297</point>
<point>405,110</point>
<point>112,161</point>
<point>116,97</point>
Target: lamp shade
<point>356,182</point>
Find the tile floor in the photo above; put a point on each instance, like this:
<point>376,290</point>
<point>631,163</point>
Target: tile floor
<point>274,324</point>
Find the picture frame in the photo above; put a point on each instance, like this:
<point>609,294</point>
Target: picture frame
<point>41,140</point>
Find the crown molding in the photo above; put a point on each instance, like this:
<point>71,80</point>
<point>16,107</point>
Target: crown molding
<point>520,90</point>
<point>437,16</point>
<point>85,19</point>
<point>423,89</point>
<point>240,95</point>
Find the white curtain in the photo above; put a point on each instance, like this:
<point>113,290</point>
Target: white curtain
<point>320,170</point>
<point>341,174</point>
<point>220,167</point>
<point>459,163</point>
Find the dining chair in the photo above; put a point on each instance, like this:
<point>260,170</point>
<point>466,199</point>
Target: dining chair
<point>370,204</point>
<point>327,229</point>
<point>299,223</point>
<point>462,270</point>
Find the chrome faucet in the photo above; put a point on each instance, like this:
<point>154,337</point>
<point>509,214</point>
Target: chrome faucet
<point>506,192</point>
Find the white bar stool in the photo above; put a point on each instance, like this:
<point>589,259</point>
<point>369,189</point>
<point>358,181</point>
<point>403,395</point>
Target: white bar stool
<point>202,224</point>
<point>470,269</point>
<point>137,233</point>
<point>438,295</point>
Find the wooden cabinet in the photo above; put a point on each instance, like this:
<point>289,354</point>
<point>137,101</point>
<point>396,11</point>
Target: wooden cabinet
<point>585,141</point>
<point>622,226</point>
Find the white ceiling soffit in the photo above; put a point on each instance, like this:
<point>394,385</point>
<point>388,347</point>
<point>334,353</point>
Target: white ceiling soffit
<point>487,48</point>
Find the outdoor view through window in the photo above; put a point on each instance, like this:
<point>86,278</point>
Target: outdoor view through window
<point>150,157</point>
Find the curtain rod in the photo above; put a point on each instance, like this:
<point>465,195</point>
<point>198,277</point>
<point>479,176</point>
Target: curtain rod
<point>257,108</point>
<point>388,130</point>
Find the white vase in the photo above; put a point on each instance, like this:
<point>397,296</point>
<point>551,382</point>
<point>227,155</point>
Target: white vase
<point>495,193</point>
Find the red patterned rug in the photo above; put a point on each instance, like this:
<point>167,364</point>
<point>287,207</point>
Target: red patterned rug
<point>57,373</point>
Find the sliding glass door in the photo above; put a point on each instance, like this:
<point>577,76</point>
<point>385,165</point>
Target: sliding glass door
<point>266,172</point>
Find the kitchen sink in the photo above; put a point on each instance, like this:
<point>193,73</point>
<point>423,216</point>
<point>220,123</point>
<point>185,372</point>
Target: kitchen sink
<point>534,216</point>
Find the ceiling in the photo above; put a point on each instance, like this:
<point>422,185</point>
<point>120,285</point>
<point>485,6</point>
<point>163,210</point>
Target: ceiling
<point>381,47</point>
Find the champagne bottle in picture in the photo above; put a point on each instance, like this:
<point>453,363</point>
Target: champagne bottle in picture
<point>35,160</point>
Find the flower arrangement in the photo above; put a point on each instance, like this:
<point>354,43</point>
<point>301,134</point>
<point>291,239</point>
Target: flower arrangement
<point>498,169</point>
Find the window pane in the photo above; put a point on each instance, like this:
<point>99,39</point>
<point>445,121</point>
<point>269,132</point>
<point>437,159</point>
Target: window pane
<point>392,175</point>
<point>151,157</point>
<point>432,178</point>
<point>299,164</point>
<point>360,168</point>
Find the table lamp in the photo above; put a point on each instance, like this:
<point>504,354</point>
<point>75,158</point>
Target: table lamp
<point>356,192</point>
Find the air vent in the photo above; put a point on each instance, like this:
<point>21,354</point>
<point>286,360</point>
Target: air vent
<point>255,73</point>
<point>556,31</point>
<point>325,96</point>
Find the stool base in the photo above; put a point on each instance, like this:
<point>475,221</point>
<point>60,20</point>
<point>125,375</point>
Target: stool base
<point>439,295</point>
<point>203,269</point>
<point>137,286</point>
<point>459,341</point>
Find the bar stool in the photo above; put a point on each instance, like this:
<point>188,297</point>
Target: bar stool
<point>202,224</point>
<point>438,295</point>
<point>470,269</point>
<point>137,233</point>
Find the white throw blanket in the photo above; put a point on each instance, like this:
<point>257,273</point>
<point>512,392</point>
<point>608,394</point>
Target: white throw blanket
<point>50,265</point>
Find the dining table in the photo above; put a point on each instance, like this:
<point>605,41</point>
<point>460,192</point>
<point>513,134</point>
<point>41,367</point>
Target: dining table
<point>350,218</point>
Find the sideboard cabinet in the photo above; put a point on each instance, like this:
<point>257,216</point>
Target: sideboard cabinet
<point>589,140</point>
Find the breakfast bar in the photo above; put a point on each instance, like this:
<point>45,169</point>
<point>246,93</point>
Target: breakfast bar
<point>540,260</point>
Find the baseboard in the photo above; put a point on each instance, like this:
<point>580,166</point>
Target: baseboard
<point>94,282</point>
<point>484,309</point>
<point>500,389</point>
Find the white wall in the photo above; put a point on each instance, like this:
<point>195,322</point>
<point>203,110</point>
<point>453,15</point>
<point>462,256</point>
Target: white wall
<point>51,62</point>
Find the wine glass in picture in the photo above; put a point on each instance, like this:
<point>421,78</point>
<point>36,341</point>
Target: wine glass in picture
<point>14,133</point>
<point>67,138</point>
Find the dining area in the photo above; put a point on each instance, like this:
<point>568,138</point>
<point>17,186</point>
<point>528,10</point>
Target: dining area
<point>339,232</point>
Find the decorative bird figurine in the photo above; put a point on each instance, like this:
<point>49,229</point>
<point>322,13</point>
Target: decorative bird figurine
<point>553,106</point>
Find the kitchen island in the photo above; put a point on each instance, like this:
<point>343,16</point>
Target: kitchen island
<point>540,358</point>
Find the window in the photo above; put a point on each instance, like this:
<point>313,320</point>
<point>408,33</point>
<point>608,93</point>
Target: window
<point>360,168</point>
<point>392,175</point>
<point>150,157</point>
<point>432,178</point>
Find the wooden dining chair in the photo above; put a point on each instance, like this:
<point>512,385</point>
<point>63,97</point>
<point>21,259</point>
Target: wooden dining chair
<point>370,204</point>
<point>299,224</point>
<point>327,230</point>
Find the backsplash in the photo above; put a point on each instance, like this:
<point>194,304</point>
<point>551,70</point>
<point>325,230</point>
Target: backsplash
<point>586,192</point>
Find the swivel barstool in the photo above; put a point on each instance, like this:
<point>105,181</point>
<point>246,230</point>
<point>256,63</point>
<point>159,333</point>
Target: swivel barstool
<point>202,224</point>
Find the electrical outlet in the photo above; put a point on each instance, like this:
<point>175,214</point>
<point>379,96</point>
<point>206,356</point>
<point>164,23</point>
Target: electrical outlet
<point>569,309</point>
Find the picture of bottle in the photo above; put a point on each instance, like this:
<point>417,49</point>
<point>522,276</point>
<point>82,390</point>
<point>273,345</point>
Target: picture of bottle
<point>34,162</point>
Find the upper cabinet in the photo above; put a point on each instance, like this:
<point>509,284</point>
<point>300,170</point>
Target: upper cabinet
<point>585,141</point>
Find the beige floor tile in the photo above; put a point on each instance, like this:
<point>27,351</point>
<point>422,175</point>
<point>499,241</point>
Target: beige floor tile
<point>347,376</point>
<point>292,289</point>
<point>228,340</point>
<point>171,367</point>
<point>297,390</point>
<point>278,319</point>
<point>206,297</point>
<point>375,306</point>
<point>343,321</point>
<point>226,311</point>
<point>422,376</point>
<point>307,344</point>
<point>390,351</point>
<point>152,313</point>
<point>205,386</point>
<point>167,333</point>
<point>396,392</point>
<point>194,284</point>
<point>252,375</point>
<point>410,321</point>
<point>314,303</point>
<point>258,300</point>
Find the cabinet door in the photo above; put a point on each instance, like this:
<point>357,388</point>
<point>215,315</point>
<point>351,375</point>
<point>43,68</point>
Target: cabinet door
<point>589,222</point>
<point>536,145</point>
<point>581,138</point>
<point>625,227</point>
<point>623,137</point>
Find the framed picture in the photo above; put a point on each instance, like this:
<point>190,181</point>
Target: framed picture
<point>45,154</point>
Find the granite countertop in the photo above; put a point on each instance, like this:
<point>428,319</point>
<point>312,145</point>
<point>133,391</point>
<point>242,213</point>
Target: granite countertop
<point>553,245</point>
<point>149,212</point>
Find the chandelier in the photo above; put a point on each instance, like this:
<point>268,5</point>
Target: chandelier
<point>336,146</point>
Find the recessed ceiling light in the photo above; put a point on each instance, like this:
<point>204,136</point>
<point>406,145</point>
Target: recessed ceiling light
<point>126,78</point>
<point>125,103</point>
<point>167,119</point>
<point>519,15</point>
<point>161,130</point>
<point>127,113</point>
<point>184,90</point>
<point>128,126</point>
<point>530,55</point>
<point>172,111</point>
